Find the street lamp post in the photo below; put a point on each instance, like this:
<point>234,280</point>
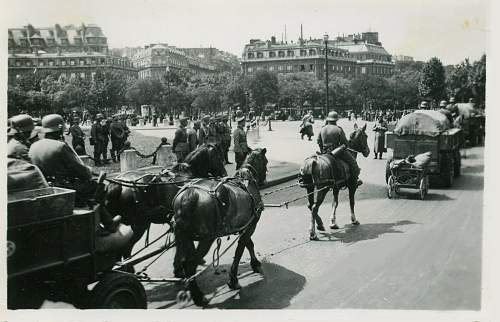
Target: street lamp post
<point>325,37</point>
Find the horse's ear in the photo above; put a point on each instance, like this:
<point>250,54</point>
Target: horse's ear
<point>364,128</point>
<point>264,150</point>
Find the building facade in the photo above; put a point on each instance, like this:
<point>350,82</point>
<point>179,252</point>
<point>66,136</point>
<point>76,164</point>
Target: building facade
<point>71,51</point>
<point>349,56</point>
<point>155,60</point>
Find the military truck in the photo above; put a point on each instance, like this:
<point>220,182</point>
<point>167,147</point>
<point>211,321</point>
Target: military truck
<point>427,131</point>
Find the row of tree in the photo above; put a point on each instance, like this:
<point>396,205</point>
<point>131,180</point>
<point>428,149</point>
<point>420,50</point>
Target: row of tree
<point>41,93</point>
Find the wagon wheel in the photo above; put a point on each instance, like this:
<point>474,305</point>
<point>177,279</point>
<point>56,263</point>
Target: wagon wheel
<point>118,290</point>
<point>391,187</point>
<point>423,188</point>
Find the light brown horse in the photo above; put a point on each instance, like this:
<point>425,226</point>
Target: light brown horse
<point>208,209</point>
<point>321,172</point>
<point>151,201</point>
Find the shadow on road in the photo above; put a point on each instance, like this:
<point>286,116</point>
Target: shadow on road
<point>272,290</point>
<point>473,169</point>
<point>415,195</point>
<point>352,234</point>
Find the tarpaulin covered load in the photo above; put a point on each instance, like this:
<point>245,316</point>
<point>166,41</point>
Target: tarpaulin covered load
<point>466,109</point>
<point>422,122</point>
<point>22,175</point>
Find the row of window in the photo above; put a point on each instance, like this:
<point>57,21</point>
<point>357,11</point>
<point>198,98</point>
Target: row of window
<point>67,62</point>
<point>51,42</point>
<point>292,53</point>
<point>302,68</point>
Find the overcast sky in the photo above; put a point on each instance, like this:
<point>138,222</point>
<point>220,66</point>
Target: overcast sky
<point>448,29</point>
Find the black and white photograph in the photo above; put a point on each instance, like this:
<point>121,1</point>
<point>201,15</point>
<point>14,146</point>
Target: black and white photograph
<point>241,160</point>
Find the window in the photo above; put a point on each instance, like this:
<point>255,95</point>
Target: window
<point>312,52</point>
<point>249,69</point>
<point>289,53</point>
<point>18,76</point>
<point>260,55</point>
<point>363,70</point>
<point>72,62</point>
<point>272,54</point>
<point>289,67</point>
<point>82,62</point>
<point>251,56</point>
<point>72,75</point>
<point>303,52</point>
<point>51,63</point>
<point>92,75</point>
<point>280,67</point>
<point>41,63</point>
<point>28,63</point>
<point>82,75</point>
<point>63,62</point>
<point>311,67</point>
<point>271,68</point>
<point>18,63</point>
<point>281,53</point>
<point>302,68</point>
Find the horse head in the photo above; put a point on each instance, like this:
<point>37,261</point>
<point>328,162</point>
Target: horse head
<point>204,161</point>
<point>255,165</point>
<point>358,141</point>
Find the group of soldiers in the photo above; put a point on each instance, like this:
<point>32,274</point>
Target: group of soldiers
<point>213,130</point>
<point>44,146</point>
<point>101,132</point>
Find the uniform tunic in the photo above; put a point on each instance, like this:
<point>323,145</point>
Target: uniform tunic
<point>192,137</point>
<point>78,137</point>
<point>241,148</point>
<point>17,150</point>
<point>379,145</point>
<point>180,144</point>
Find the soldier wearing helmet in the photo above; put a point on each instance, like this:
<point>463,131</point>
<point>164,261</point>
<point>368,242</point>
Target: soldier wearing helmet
<point>331,137</point>
<point>192,136</point>
<point>78,137</point>
<point>99,138</point>
<point>203,131</point>
<point>443,110</point>
<point>62,167</point>
<point>241,148</point>
<point>180,144</point>
<point>225,131</point>
<point>22,133</point>
<point>307,126</point>
<point>424,105</point>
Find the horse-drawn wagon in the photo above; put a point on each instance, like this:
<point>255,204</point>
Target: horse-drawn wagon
<point>427,131</point>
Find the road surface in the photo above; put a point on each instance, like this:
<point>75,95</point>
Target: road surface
<point>406,254</point>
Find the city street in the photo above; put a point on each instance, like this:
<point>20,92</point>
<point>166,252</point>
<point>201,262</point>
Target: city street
<point>406,254</point>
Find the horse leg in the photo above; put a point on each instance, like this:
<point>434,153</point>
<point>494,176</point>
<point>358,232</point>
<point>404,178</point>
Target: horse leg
<point>138,232</point>
<point>352,192</point>
<point>320,196</point>
<point>233,274</point>
<point>254,262</point>
<point>333,219</point>
<point>202,250</point>
<point>185,249</point>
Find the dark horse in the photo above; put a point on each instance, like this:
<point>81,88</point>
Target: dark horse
<point>322,171</point>
<point>208,209</point>
<point>150,201</point>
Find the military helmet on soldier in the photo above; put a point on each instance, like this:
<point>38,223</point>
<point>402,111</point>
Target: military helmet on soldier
<point>332,116</point>
<point>452,99</point>
<point>52,123</point>
<point>443,103</point>
<point>21,123</point>
<point>424,105</point>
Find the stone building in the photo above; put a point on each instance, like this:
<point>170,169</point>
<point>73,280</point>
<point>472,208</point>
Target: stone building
<point>349,56</point>
<point>154,60</point>
<point>71,51</point>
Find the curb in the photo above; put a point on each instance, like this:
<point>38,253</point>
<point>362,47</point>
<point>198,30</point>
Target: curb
<point>278,181</point>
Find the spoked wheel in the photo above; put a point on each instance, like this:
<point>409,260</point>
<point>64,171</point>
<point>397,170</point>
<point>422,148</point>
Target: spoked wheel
<point>118,291</point>
<point>391,187</point>
<point>424,187</point>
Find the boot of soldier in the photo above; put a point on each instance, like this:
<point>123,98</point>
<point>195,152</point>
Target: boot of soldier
<point>112,152</point>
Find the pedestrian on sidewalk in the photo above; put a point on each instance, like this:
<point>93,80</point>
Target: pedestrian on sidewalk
<point>241,148</point>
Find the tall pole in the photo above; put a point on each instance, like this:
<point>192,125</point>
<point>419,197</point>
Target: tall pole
<point>325,37</point>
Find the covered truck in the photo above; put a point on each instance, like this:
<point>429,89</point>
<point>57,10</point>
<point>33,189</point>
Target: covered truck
<point>427,131</point>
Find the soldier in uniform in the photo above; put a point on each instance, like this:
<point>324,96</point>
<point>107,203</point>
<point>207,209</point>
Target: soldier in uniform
<point>203,131</point>
<point>22,133</point>
<point>180,144</point>
<point>331,137</point>
<point>192,135</point>
<point>62,167</point>
<point>424,105</point>
<point>77,135</point>
<point>226,138</point>
<point>307,126</point>
<point>443,110</point>
<point>241,148</point>
<point>212,136</point>
<point>96,138</point>
<point>118,137</point>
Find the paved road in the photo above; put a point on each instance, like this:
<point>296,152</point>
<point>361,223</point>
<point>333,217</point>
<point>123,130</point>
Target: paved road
<point>407,253</point>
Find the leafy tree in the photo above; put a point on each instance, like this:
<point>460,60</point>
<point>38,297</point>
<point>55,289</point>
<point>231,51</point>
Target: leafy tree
<point>263,86</point>
<point>432,82</point>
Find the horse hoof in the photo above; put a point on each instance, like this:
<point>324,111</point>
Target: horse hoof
<point>320,228</point>
<point>355,223</point>
<point>313,237</point>
<point>334,226</point>
<point>234,285</point>
<point>201,301</point>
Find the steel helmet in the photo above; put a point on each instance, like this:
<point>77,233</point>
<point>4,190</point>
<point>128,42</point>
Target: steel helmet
<point>332,116</point>
<point>443,103</point>
<point>424,104</point>
<point>452,99</point>
<point>471,100</point>
<point>21,123</point>
<point>99,116</point>
<point>52,123</point>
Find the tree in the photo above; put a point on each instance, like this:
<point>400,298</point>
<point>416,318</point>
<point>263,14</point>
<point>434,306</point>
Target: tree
<point>263,87</point>
<point>432,82</point>
<point>371,91</point>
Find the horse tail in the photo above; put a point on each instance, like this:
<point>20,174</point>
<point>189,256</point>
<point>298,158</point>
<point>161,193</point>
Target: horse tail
<point>185,207</point>
<point>308,172</point>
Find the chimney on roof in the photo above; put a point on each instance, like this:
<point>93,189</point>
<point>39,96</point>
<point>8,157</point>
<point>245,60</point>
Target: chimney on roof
<point>273,40</point>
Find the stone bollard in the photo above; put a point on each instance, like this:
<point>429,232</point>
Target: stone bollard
<point>128,160</point>
<point>165,122</point>
<point>165,156</point>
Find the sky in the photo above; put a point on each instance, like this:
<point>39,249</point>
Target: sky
<point>451,30</point>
